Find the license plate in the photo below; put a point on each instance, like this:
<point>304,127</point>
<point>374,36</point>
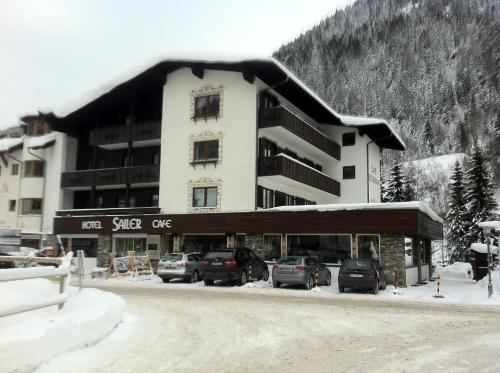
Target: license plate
<point>216,263</point>
<point>355,275</point>
<point>286,270</point>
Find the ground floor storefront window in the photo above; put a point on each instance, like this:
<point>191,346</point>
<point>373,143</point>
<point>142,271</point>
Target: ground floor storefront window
<point>368,246</point>
<point>330,249</point>
<point>122,245</point>
<point>271,250</point>
<point>202,243</point>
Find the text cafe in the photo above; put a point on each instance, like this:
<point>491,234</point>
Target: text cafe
<point>400,238</point>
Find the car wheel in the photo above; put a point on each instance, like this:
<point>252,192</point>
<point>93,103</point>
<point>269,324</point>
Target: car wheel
<point>164,279</point>
<point>265,275</point>
<point>276,284</point>
<point>341,289</point>
<point>208,282</point>
<point>310,283</point>
<point>328,279</point>
<point>195,277</point>
<point>243,278</point>
<point>383,286</point>
<point>375,288</point>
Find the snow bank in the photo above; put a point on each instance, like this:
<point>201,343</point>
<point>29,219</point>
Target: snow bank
<point>445,163</point>
<point>458,270</point>
<point>30,338</point>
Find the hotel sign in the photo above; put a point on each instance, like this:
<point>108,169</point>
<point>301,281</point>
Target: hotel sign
<point>122,224</point>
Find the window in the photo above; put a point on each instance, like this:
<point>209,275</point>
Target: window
<point>272,247</point>
<point>267,147</point>
<point>38,128</point>
<point>15,169</point>
<point>348,139</point>
<point>206,151</point>
<point>265,198</point>
<point>31,206</point>
<point>206,106</point>
<point>328,248</point>
<point>409,251</point>
<point>154,200</point>
<point>12,205</point>
<point>205,197</point>
<point>33,168</point>
<point>155,158</point>
<point>368,246</point>
<point>349,172</point>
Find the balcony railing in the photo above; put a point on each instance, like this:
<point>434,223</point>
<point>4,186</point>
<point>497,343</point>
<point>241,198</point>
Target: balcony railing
<point>289,168</point>
<point>280,116</point>
<point>110,176</point>
<point>123,134</point>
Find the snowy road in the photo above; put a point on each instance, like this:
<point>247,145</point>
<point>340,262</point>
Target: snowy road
<point>189,330</point>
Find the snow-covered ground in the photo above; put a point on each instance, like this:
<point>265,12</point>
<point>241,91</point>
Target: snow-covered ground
<point>30,338</point>
<point>85,331</point>
<point>456,286</point>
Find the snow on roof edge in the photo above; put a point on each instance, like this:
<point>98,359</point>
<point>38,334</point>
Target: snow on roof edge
<point>8,143</point>
<point>106,88</point>
<point>363,206</point>
<point>483,248</point>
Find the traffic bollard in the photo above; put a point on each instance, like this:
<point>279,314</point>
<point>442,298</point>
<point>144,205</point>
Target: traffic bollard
<point>438,287</point>
<point>317,277</point>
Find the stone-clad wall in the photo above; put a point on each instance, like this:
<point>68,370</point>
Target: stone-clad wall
<point>392,253</point>
<point>104,243</point>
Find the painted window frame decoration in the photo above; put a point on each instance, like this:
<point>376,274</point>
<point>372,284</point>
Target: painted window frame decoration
<point>208,90</point>
<point>205,136</point>
<point>204,182</point>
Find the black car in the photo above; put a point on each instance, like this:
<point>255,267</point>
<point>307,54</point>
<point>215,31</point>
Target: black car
<point>361,274</point>
<point>234,265</point>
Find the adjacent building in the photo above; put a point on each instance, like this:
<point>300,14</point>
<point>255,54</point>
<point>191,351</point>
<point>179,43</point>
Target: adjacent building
<point>193,155</point>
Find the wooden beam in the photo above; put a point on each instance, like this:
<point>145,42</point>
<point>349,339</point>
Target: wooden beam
<point>198,71</point>
<point>250,78</point>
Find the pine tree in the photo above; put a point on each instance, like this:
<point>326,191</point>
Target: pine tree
<point>409,183</point>
<point>456,217</point>
<point>429,137</point>
<point>480,199</point>
<point>395,189</point>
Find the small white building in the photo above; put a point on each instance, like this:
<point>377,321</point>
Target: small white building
<point>30,174</point>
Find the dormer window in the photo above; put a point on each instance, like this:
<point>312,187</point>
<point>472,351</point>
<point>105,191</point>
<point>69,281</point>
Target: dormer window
<point>207,106</point>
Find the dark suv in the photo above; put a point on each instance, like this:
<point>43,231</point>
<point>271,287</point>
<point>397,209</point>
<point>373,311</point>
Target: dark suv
<point>361,274</point>
<point>234,265</point>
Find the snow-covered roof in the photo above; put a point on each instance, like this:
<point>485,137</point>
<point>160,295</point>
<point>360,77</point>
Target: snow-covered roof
<point>266,65</point>
<point>415,205</point>
<point>38,142</point>
<point>8,143</point>
<point>483,248</point>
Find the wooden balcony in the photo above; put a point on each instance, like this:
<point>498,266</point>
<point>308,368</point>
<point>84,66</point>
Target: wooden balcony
<point>111,176</point>
<point>280,165</point>
<point>124,134</point>
<point>280,116</point>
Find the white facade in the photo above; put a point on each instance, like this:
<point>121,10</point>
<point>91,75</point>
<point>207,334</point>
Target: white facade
<point>235,172</point>
<point>58,156</point>
<point>236,128</point>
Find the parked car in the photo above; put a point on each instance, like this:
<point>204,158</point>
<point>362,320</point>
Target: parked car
<point>233,265</point>
<point>181,265</point>
<point>300,270</point>
<point>361,274</point>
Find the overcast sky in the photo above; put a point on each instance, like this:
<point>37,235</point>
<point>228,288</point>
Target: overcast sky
<point>54,51</point>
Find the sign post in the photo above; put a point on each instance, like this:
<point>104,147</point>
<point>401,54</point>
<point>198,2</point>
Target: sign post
<point>80,268</point>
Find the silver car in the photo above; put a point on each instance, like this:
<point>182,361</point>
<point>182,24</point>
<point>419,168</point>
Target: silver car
<point>187,266</point>
<point>300,270</point>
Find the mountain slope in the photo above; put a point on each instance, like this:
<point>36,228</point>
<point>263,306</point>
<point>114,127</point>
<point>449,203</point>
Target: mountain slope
<point>432,68</point>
